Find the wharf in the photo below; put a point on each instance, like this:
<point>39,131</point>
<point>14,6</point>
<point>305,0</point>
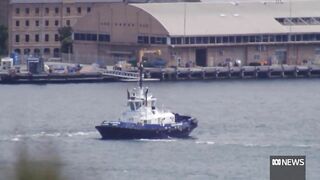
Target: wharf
<point>166,74</point>
<point>244,72</point>
<point>23,78</point>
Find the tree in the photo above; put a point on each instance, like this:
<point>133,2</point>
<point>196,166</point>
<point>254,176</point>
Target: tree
<point>65,37</point>
<point>3,39</point>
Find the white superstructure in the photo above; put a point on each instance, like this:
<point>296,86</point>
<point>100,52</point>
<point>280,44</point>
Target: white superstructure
<point>141,108</point>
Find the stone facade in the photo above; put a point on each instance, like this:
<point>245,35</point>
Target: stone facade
<point>33,27</point>
<point>107,32</point>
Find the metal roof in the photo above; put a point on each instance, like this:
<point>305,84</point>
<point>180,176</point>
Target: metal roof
<point>231,18</point>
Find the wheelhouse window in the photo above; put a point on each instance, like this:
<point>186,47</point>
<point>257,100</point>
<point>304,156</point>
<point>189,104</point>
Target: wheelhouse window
<point>131,104</point>
<point>138,105</point>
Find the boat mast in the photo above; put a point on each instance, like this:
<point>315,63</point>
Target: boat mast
<point>141,53</point>
<point>140,74</point>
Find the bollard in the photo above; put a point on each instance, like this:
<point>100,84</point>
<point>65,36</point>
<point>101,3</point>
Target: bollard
<point>203,74</point>
<point>177,75</point>
<point>256,72</point>
<point>296,71</point>
<point>309,71</point>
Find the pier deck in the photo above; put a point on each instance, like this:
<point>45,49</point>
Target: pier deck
<point>169,74</point>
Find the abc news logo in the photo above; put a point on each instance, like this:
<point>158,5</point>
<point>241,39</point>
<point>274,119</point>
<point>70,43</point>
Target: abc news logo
<point>288,162</point>
<point>287,167</point>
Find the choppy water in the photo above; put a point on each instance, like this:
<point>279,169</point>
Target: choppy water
<point>241,123</point>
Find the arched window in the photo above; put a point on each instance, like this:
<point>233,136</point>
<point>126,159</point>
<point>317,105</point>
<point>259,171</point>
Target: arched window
<point>46,51</point>
<point>56,52</point>
<point>36,52</point>
<point>17,51</point>
<point>26,51</point>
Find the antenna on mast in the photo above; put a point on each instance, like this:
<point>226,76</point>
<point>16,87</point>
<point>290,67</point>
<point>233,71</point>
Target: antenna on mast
<point>141,53</point>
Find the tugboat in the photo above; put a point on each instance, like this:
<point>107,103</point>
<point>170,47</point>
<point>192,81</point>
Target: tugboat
<point>143,120</point>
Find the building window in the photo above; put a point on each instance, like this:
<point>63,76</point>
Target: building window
<point>46,37</point>
<point>37,23</point>
<point>212,40</point>
<point>17,23</point>
<point>256,57</point>
<point>37,11</point>
<point>231,39</point>
<point>17,38</point>
<point>143,40</point>
<point>178,40</point>
<point>27,23</point>
<point>261,48</point>
<point>158,40</point>
<point>47,22</point>
<point>56,52</point>
<point>187,40</point>
<point>27,38</point>
<point>46,51</point>
<point>36,52</point>
<point>26,51</point>
<point>17,51</point>
<point>68,10</point>
<point>219,40</point>
<point>68,23</point>
<point>79,10</point>
<point>104,37</point>
<point>192,40</point>
<point>91,37</point>
<point>252,39</point>
<point>88,9</point>
<point>205,40</point>
<point>272,38</point>
<point>225,39</point>
<point>27,10</point>
<point>47,10</point>
<point>17,11</point>
<point>56,23</point>
<point>36,38</point>
<point>56,10</point>
<point>56,37</point>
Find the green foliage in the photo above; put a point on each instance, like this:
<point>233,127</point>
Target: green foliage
<point>65,37</point>
<point>27,168</point>
<point>3,39</point>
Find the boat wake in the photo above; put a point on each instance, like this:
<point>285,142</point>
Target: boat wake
<point>157,140</point>
<point>255,145</point>
<point>19,137</point>
<point>205,142</point>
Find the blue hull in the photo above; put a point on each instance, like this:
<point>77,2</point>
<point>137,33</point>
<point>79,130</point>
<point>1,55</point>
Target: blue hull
<point>139,131</point>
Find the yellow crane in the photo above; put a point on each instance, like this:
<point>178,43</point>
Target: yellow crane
<point>142,52</point>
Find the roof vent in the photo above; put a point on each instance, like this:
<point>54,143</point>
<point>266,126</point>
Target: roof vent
<point>234,3</point>
<point>264,2</point>
<point>222,15</point>
<point>236,15</point>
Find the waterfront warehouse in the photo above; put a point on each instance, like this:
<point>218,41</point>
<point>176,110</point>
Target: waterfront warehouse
<point>190,34</point>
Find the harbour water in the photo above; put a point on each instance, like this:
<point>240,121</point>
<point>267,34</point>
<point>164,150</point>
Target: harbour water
<point>241,124</point>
